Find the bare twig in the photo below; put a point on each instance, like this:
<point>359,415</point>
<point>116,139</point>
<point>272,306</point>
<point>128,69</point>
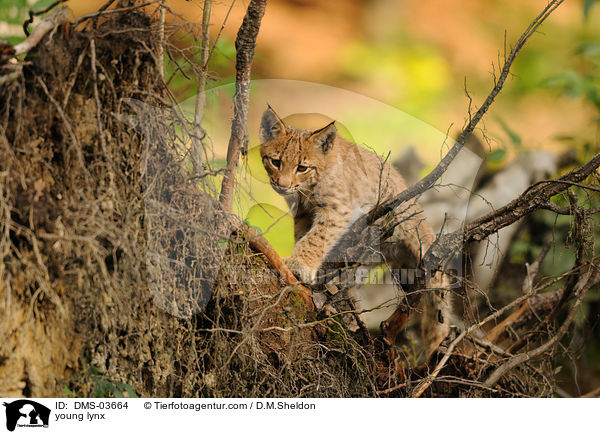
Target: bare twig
<point>353,236</point>
<point>214,45</point>
<point>258,243</point>
<point>532,199</point>
<point>535,306</point>
<point>33,13</point>
<point>581,289</point>
<point>497,314</point>
<point>198,132</point>
<point>244,44</point>
<point>391,389</point>
<point>575,184</point>
<point>161,44</point>
<point>533,269</point>
<point>551,206</point>
<point>535,197</point>
<point>52,21</point>
<point>428,181</point>
<point>113,11</point>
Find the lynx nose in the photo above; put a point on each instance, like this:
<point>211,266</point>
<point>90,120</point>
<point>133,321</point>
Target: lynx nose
<point>279,188</point>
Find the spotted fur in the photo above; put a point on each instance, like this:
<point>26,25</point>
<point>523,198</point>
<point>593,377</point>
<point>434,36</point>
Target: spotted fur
<point>327,182</point>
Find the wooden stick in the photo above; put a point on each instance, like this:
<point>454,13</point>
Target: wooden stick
<point>586,282</point>
<point>161,33</point>
<point>260,244</point>
<point>53,20</point>
<point>428,181</point>
<point>198,132</point>
<point>245,43</point>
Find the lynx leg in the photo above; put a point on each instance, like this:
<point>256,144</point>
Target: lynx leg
<point>435,322</point>
<point>393,326</point>
<point>302,224</point>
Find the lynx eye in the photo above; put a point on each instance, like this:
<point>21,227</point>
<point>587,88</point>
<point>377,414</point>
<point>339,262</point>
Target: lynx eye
<point>302,169</point>
<point>275,162</point>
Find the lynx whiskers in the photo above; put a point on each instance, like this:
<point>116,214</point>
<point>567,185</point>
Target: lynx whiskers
<point>327,181</point>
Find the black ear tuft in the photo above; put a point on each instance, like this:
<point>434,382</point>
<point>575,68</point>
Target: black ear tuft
<point>270,125</point>
<point>325,137</point>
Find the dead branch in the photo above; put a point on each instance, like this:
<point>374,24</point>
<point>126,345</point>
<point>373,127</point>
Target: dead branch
<point>534,198</point>
<point>260,244</point>
<point>245,43</point>
<point>352,239</point>
<point>161,33</point>
<point>521,301</point>
<point>589,279</point>
<point>551,206</point>
<point>448,244</point>
<point>534,268</point>
<point>198,133</point>
<point>53,20</point>
<point>538,305</point>
<point>34,13</point>
<point>529,306</point>
<point>104,11</point>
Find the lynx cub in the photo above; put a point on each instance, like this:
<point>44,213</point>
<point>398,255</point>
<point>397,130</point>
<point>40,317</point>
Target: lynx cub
<point>328,181</point>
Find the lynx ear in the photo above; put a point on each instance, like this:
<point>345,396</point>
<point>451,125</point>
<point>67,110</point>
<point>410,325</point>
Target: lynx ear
<point>270,125</point>
<point>325,136</point>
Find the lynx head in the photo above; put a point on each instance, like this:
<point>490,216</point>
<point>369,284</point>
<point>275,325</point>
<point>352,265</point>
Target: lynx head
<point>293,157</point>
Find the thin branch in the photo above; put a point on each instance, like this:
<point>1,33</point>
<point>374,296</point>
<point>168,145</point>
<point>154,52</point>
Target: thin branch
<point>428,181</point>
<point>198,132</point>
<point>259,244</point>
<point>214,45</point>
<point>495,315</point>
<point>587,281</point>
<point>532,199</point>
<point>353,236</point>
<point>245,43</point>
<point>103,12</point>
<point>161,44</point>
<point>576,184</point>
<point>33,13</point>
<point>52,21</point>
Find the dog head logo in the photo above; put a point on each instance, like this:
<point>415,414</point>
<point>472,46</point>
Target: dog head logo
<point>26,413</point>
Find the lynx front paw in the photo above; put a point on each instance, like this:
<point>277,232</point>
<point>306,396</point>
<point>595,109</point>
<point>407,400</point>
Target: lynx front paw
<point>304,272</point>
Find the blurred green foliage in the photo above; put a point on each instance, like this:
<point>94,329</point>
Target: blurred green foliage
<point>103,388</point>
<point>587,5</point>
<point>414,74</point>
<point>585,82</point>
